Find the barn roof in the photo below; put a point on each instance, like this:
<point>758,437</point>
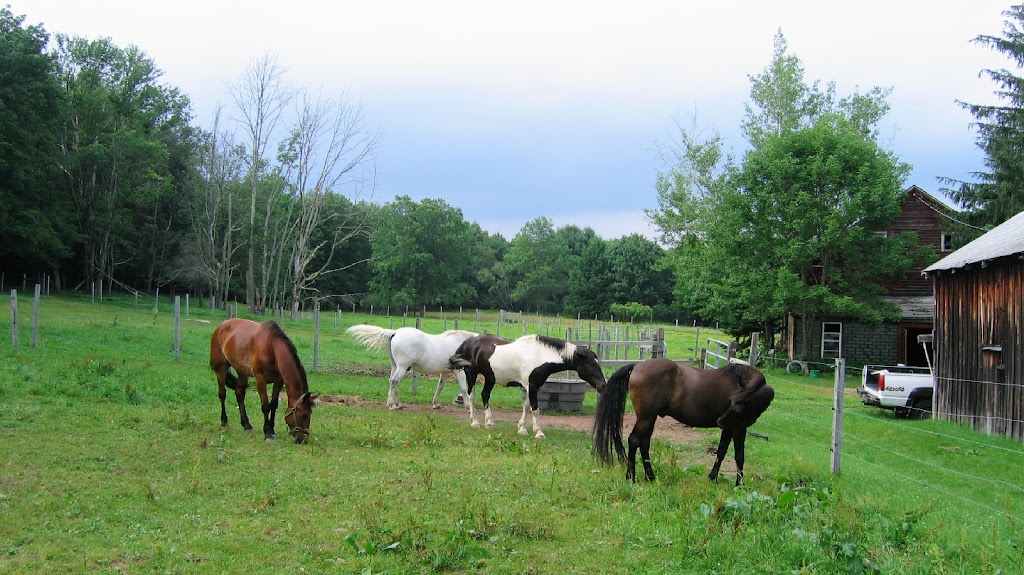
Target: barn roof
<point>1006,239</point>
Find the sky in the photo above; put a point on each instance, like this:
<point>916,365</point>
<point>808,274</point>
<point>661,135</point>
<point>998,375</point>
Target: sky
<point>512,111</point>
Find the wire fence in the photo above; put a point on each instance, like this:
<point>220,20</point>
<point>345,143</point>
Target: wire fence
<point>913,456</point>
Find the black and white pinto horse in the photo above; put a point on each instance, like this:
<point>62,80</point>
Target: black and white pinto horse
<point>409,348</point>
<point>526,362</point>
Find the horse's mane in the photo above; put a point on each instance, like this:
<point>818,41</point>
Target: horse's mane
<point>277,333</point>
<point>564,348</point>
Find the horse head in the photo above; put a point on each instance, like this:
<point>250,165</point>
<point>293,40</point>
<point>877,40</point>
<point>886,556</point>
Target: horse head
<point>298,417</point>
<point>584,361</point>
<point>749,401</point>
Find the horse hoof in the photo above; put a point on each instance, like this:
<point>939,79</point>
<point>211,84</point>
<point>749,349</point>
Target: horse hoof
<point>250,430</point>
<point>540,435</point>
<point>270,439</point>
<point>436,406</point>
<point>522,431</point>
<point>489,425</point>
<point>394,407</point>
<point>475,425</point>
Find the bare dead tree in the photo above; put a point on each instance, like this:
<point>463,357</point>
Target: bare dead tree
<point>261,97</point>
<point>329,148</point>
<point>208,258</point>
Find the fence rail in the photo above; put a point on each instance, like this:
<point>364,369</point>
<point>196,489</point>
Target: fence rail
<point>615,346</point>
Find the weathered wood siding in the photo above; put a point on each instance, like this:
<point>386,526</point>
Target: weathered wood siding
<point>919,214</point>
<point>979,347</point>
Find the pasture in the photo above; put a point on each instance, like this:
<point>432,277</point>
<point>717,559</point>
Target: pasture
<point>114,461</point>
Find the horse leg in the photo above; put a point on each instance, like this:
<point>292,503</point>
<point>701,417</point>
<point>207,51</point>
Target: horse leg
<point>275,395</point>
<point>461,377</point>
<point>533,391</point>
<point>485,397</point>
<point>640,438</point>
<point>397,372</point>
<point>240,387</point>
<point>739,440</point>
<point>268,411</point>
<point>437,394</point>
<point>723,447</point>
<point>522,418</point>
<point>222,393</point>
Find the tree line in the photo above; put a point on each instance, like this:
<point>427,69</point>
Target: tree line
<point>104,176</point>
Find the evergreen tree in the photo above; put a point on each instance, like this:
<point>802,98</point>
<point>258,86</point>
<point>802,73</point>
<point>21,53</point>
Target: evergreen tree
<point>998,193</point>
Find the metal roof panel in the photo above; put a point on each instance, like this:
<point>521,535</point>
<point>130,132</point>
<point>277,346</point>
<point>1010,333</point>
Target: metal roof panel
<point>1006,239</point>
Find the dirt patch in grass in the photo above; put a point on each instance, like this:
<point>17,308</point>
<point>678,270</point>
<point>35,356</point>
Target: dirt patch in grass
<point>667,428</point>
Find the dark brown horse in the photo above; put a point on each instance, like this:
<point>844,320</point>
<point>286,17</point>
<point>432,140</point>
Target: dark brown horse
<point>262,351</point>
<point>731,397</point>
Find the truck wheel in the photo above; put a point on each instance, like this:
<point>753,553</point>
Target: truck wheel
<point>921,408</point>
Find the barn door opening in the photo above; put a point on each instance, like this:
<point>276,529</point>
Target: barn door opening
<point>911,352</point>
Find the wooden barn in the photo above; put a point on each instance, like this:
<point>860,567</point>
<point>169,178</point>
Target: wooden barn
<point>888,343</point>
<point>979,338</point>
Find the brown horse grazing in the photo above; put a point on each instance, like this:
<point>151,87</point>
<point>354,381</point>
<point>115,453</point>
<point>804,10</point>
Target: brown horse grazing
<point>731,397</point>
<point>263,351</point>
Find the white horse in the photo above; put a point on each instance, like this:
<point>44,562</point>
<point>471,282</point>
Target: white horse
<point>526,363</point>
<point>410,348</point>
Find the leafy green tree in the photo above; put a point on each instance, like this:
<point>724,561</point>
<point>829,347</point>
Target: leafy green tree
<point>491,282</point>
<point>589,281</point>
<point>781,101</point>
<point>35,234</point>
<point>631,311</point>
<point>810,202</point>
<point>998,193</point>
<point>536,262</point>
<point>637,272</point>
<point>422,254</point>
<point>792,228</point>
<point>126,144</point>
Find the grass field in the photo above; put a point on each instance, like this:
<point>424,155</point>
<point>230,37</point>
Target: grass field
<point>113,461</point>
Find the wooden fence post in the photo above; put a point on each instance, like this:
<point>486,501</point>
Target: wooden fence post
<point>837,415</point>
<point>316,335</point>
<point>14,320</point>
<point>659,349</point>
<point>177,328</point>
<point>35,316</point>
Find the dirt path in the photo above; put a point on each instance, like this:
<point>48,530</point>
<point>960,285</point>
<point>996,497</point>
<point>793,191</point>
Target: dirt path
<point>667,428</point>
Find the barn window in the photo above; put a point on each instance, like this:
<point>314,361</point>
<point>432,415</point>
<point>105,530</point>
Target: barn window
<point>947,243</point>
<point>831,339</point>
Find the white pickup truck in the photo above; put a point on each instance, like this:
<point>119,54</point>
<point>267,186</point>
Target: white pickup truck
<point>905,390</point>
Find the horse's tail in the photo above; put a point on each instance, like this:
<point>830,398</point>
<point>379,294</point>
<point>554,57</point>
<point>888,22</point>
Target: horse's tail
<point>750,400</point>
<point>230,380</point>
<point>457,362</point>
<point>611,405</point>
<point>371,336</point>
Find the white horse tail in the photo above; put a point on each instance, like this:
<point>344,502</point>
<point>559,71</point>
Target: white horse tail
<point>371,336</point>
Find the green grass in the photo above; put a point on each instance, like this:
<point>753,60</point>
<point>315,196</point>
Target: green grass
<point>114,462</point>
